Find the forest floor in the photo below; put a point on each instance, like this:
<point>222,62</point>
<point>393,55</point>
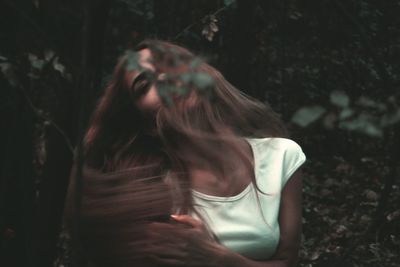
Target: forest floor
<point>340,200</point>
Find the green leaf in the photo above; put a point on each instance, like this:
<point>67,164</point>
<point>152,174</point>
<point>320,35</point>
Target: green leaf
<point>340,99</point>
<point>229,2</point>
<point>196,62</point>
<point>132,61</point>
<point>165,96</point>
<point>48,55</point>
<point>58,66</point>
<point>367,102</point>
<point>173,89</point>
<point>8,72</point>
<point>346,113</point>
<point>295,15</point>
<point>373,131</point>
<point>36,63</point>
<point>307,115</point>
<point>4,67</point>
<point>186,77</point>
<point>202,80</point>
<point>363,124</point>
<point>390,119</point>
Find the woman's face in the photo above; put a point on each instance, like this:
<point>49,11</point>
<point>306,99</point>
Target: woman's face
<point>142,85</point>
<point>143,88</point>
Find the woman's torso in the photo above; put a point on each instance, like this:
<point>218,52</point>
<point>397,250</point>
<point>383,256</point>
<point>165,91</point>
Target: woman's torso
<point>247,222</point>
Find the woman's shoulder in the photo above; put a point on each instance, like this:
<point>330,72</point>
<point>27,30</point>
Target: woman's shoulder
<point>277,155</point>
<point>277,144</point>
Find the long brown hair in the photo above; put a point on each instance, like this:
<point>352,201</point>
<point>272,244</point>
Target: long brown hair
<point>127,170</point>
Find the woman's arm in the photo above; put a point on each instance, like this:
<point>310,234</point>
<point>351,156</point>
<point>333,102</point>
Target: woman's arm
<point>195,248</point>
<point>290,214</point>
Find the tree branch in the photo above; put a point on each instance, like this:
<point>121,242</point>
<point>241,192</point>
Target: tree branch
<point>41,115</point>
<point>187,28</point>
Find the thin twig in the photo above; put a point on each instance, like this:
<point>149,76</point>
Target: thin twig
<point>38,113</point>
<point>187,28</point>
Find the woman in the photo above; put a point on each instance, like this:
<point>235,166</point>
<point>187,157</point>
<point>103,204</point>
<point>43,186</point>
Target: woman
<point>183,169</point>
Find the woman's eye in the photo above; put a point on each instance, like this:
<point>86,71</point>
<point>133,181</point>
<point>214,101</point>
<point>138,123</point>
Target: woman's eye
<point>141,87</point>
<point>141,84</point>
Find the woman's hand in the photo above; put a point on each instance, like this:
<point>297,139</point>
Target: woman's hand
<point>187,243</point>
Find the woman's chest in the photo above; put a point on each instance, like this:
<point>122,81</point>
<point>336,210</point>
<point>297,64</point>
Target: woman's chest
<point>242,223</point>
<point>209,183</point>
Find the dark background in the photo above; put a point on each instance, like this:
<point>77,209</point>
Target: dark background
<point>330,68</point>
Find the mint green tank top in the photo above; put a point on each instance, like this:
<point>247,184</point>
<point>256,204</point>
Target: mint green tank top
<point>240,222</point>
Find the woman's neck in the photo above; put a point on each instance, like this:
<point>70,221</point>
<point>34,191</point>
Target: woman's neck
<point>234,179</point>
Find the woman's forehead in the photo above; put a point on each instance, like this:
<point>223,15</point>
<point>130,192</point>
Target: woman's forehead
<point>145,59</point>
<point>145,63</point>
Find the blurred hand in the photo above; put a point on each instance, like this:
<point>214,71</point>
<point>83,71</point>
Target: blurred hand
<point>186,243</point>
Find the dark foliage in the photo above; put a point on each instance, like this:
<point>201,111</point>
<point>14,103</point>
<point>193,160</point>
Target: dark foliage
<point>329,67</point>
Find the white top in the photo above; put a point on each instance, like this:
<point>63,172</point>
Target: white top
<point>237,220</point>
